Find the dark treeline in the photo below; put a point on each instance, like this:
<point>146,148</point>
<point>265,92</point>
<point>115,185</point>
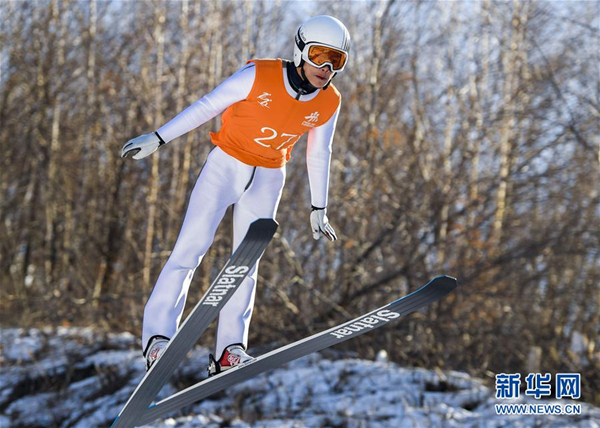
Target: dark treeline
<point>467,145</point>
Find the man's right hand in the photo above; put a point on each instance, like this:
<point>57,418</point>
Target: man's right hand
<point>142,146</point>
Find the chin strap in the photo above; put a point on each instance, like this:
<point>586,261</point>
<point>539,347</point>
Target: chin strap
<point>306,87</point>
<point>306,82</point>
<point>329,83</point>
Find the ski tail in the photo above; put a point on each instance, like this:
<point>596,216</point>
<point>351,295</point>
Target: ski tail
<point>429,293</point>
<point>235,270</point>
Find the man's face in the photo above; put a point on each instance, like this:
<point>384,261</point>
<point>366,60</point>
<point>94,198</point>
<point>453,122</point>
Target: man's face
<point>318,77</point>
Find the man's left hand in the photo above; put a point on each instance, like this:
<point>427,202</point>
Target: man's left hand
<point>320,224</point>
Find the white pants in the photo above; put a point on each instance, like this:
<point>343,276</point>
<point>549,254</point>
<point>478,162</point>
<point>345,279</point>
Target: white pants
<point>224,181</point>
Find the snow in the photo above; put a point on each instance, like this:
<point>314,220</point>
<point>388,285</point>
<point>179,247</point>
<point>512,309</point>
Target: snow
<point>72,377</point>
<point>23,348</point>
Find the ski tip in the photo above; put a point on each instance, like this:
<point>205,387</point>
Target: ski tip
<point>445,281</point>
<point>264,225</point>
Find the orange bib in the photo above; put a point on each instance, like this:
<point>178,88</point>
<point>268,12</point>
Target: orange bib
<point>262,129</point>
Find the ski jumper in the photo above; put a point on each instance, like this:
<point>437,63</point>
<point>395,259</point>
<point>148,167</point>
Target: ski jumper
<point>261,123</point>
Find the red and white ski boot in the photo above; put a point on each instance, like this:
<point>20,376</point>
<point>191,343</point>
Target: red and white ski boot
<point>156,346</point>
<point>233,355</point>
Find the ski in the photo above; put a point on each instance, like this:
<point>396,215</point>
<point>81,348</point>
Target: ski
<point>429,293</point>
<point>223,287</point>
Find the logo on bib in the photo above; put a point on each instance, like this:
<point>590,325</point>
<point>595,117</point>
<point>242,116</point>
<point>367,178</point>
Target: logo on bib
<point>311,120</point>
<point>264,99</point>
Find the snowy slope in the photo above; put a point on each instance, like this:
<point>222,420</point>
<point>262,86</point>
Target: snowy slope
<point>77,378</point>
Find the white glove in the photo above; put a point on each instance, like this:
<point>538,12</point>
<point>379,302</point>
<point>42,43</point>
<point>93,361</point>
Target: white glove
<point>320,224</point>
<point>142,146</point>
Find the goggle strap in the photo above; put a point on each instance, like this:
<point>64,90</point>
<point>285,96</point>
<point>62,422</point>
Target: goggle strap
<point>299,41</point>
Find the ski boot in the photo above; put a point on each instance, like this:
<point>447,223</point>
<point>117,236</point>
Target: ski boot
<point>156,346</point>
<point>233,355</point>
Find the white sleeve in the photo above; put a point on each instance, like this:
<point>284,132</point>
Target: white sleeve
<point>236,88</point>
<point>318,159</point>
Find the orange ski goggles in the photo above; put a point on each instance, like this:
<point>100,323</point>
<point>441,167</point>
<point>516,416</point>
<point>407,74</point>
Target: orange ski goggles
<point>320,56</point>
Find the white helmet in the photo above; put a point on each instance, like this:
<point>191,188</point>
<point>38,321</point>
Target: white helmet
<point>320,41</point>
